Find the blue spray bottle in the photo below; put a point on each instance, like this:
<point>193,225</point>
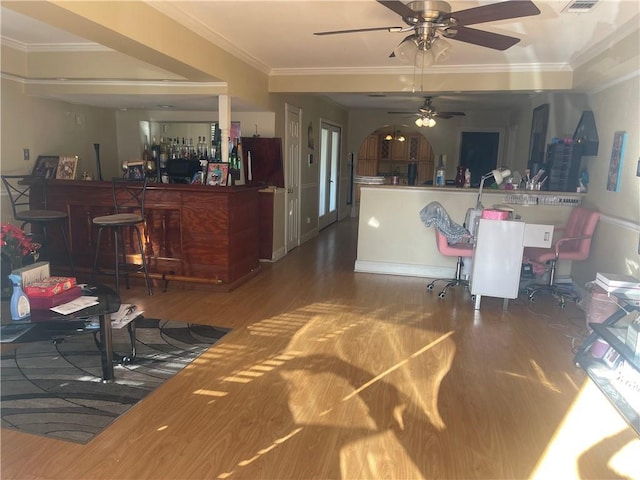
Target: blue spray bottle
<point>19,304</point>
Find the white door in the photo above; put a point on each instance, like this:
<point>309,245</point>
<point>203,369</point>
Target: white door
<point>329,170</point>
<point>292,175</point>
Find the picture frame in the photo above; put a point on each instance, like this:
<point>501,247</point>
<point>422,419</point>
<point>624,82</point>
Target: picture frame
<point>135,171</point>
<point>67,167</point>
<point>217,174</point>
<point>198,178</point>
<point>45,166</point>
<point>615,164</point>
<point>538,137</point>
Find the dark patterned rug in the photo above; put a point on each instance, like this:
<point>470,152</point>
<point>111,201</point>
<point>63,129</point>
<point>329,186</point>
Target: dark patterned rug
<point>55,389</point>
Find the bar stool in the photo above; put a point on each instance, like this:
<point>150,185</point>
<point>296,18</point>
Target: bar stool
<point>19,188</point>
<point>128,202</point>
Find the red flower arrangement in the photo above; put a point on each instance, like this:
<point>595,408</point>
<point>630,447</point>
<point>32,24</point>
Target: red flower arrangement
<point>16,243</point>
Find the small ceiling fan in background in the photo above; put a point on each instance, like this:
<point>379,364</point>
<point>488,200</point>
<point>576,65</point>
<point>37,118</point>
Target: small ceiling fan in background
<point>427,114</point>
<point>431,21</point>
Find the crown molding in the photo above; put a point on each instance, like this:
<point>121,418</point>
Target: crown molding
<point>50,47</point>
<point>434,70</point>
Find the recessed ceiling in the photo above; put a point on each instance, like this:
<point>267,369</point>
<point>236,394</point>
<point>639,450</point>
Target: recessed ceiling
<point>277,37</point>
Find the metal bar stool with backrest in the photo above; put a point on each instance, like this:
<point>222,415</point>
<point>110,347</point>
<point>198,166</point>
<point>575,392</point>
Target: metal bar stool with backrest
<point>21,190</point>
<point>128,202</point>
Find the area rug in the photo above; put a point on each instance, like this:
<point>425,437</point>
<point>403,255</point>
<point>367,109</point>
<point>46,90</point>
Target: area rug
<point>55,389</point>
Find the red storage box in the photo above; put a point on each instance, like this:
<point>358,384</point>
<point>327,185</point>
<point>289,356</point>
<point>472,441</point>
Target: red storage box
<point>491,214</point>
<point>44,303</point>
<point>49,286</point>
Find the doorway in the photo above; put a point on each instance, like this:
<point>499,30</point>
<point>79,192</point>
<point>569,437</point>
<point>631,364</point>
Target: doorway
<point>329,169</point>
<point>292,176</point>
<point>479,152</point>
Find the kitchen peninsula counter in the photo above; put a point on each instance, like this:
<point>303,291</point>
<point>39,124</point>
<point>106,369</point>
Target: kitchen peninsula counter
<point>196,235</point>
<point>393,240</point>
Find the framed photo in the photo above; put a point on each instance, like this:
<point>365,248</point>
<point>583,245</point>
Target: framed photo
<point>198,178</point>
<point>217,174</point>
<point>615,164</point>
<point>45,167</point>
<point>67,168</point>
<point>538,137</point>
<point>135,171</point>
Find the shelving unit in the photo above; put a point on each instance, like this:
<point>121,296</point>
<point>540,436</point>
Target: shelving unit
<point>613,331</point>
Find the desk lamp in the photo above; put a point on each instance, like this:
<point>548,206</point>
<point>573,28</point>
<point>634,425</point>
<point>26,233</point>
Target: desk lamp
<point>498,175</point>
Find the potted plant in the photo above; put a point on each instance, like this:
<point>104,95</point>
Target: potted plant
<point>15,245</point>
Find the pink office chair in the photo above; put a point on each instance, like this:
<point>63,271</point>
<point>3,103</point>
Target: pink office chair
<point>575,244</point>
<point>460,250</point>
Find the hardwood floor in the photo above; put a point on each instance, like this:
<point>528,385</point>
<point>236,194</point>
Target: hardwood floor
<point>334,374</point>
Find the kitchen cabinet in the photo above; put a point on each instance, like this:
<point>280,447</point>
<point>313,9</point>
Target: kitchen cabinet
<point>378,156</point>
<point>369,148</point>
<point>617,373</point>
<point>367,164</point>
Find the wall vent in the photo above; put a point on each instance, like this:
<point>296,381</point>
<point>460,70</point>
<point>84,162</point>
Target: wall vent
<point>579,6</point>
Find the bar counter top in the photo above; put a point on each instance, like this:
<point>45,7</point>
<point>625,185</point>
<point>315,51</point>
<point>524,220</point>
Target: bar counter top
<point>195,234</point>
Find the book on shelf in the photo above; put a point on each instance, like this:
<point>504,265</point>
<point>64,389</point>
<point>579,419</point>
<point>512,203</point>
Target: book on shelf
<point>611,281</point>
<point>624,287</point>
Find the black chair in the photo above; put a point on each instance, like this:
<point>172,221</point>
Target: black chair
<point>20,189</point>
<point>128,202</point>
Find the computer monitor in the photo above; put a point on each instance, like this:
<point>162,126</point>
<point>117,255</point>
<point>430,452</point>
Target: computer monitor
<point>181,170</point>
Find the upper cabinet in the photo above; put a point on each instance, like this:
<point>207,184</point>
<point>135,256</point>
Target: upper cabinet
<point>369,148</point>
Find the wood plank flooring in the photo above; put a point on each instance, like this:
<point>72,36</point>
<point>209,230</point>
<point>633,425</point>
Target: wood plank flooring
<point>334,374</point>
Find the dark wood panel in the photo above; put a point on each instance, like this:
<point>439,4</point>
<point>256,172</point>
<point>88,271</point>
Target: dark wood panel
<point>198,233</point>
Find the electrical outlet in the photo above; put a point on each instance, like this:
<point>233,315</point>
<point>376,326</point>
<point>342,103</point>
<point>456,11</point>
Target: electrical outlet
<point>308,220</point>
<point>25,154</point>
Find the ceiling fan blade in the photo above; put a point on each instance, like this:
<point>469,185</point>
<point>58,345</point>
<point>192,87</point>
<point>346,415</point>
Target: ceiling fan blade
<point>447,115</point>
<point>494,12</point>
<point>402,113</point>
<point>480,37</point>
<point>398,7</point>
<point>356,30</point>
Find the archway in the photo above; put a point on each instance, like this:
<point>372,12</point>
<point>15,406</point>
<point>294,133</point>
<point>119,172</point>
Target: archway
<point>388,151</point>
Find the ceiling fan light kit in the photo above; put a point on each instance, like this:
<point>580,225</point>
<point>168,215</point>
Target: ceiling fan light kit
<point>425,122</point>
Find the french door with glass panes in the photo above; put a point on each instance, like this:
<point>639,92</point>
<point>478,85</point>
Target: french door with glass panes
<point>329,173</point>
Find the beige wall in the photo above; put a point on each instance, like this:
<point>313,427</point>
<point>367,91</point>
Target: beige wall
<point>49,127</point>
<point>617,239</point>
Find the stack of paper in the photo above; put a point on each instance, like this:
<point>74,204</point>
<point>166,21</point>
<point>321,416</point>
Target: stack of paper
<point>623,286</point>
<point>76,305</point>
<point>125,315</point>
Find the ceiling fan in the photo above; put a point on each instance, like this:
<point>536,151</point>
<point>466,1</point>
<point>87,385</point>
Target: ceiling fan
<point>427,114</point>
<point>432,19</point>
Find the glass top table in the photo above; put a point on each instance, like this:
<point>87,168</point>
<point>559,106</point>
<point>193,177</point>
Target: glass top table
<point>47,321</point>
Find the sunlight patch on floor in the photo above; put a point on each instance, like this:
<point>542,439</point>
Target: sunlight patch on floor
<point>591,424</point>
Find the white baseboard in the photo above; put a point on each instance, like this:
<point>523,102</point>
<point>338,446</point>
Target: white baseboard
<point>426,271</point>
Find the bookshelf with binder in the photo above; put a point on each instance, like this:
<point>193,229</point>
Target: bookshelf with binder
<point>616,372</point>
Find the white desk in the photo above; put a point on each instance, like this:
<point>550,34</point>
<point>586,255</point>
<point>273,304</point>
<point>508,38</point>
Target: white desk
<point>497,256</point>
